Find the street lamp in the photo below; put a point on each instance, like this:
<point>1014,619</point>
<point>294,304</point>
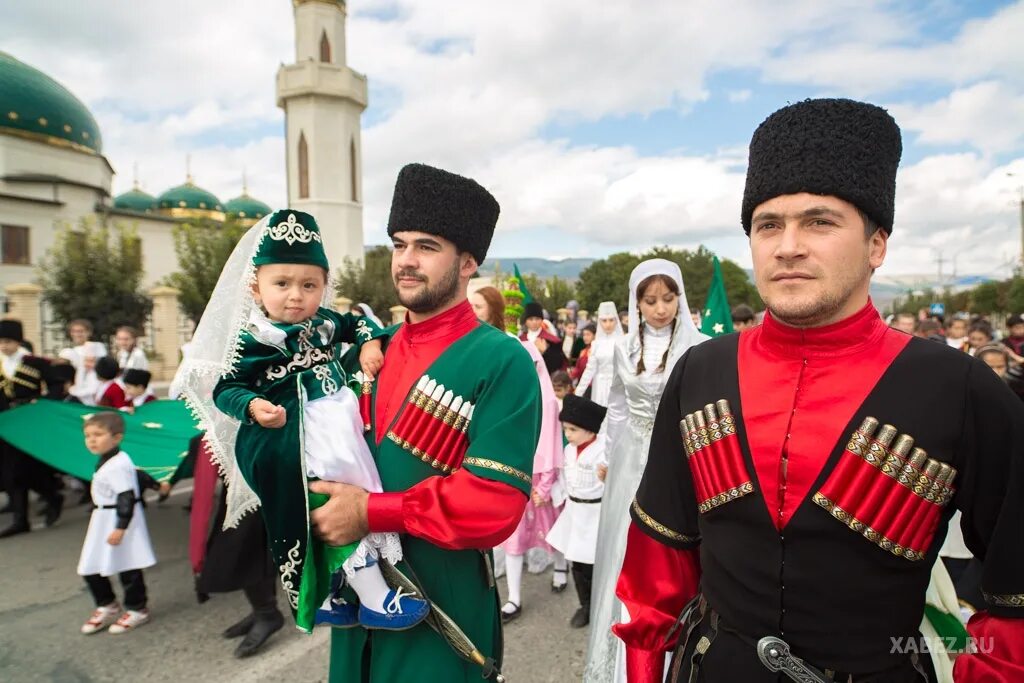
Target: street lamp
<point>1020,191</point>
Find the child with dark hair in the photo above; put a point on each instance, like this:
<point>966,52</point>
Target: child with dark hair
<point>110,393</point>
<point>562,385</point>
<point>979,335</point>
<point>136,389</point>
<point>117,541</point>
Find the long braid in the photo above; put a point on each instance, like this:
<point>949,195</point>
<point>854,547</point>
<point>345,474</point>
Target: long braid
<point>664,359</point>
<point>640,333</point>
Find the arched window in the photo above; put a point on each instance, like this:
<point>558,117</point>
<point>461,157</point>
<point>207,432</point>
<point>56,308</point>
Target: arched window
<point>303,167</point>
<point>325,47</point>
<point>353,163</point>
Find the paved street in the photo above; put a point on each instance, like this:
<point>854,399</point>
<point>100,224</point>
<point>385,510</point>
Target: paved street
<point>43,603</point>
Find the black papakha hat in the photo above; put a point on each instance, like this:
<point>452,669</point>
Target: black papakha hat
<point>440,203</point>
<point>837,147</point>
<point>136,377</point>
<point>533,310</point>
<point>12,329</point>
<point>582,412</point>
<point>60,372</point>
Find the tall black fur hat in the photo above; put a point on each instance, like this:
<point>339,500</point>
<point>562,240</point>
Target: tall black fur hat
<point>582,412</point>
<point>58,373</point>
<point>458,209</point>
<point>11,329</point>
<point>838,147</point>
<point>533,310</point>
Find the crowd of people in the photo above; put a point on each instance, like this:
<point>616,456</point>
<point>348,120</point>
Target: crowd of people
<point>725,501</point>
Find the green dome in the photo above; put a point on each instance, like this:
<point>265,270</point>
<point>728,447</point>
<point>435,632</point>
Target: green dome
<point>35,106</point>
<point>188,198</point>
<point>135,200</point>
<point>245,206</point>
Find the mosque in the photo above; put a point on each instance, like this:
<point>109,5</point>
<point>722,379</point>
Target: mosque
<point>53,172</point>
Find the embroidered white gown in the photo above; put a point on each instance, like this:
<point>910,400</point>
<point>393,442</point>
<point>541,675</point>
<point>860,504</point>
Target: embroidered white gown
<point>633,403</point>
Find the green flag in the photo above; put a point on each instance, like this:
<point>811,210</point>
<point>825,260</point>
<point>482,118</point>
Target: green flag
<point>716,318</point>
<point>156,436</point>
<point>527,297</point>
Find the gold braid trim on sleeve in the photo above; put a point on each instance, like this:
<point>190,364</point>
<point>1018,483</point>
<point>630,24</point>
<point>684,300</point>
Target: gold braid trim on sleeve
<point>1011,600</point>
<point>661,528</point>
<point>498,467</point>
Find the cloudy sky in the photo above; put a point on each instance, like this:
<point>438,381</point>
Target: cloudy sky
<point>600,126</point>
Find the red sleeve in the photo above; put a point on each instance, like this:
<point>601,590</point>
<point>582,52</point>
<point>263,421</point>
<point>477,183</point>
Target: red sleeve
<point>998,656</point>
<point>655,584</point>
<point>456,512</point>
<point>113,397</point>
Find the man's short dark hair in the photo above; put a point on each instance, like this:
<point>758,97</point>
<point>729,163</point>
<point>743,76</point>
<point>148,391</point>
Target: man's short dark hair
<point>870,227</point>
<point>742,314</point>
<point>109,420</point>
<point>928,326</point>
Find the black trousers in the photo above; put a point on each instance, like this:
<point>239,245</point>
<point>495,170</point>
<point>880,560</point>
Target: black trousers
<point>131,581</point>
<point>583,579</point>
<point>21,472</point>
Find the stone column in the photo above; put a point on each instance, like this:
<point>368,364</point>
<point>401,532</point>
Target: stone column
<point>165,332</point>
<point>398,314</point>
<point>23,302</point>
<point>342,304</point>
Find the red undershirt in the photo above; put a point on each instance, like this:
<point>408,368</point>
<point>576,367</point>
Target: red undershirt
<point>461,510</point>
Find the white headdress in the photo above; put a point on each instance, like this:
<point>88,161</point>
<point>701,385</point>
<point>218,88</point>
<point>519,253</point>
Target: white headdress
<point>686,333</point>
<point>214,353</point>
<point>607,310</point>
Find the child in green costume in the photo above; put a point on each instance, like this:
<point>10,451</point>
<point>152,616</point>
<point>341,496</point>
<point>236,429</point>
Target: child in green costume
<point>294,419</point>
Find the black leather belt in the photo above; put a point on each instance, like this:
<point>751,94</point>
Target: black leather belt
<point>584,500</point>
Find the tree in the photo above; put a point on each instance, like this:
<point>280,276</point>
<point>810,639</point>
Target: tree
<point>202,250</point>
<point>95,272</point>
<point>608,279</point>
<point>370,283</point>
<point>551,293</point>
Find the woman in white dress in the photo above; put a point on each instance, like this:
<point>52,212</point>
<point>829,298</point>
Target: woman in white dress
<point>660,332</point>
<point>598,373</point>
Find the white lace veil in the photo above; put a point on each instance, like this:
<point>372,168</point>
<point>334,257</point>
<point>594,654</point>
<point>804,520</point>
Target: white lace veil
<point>214,352</point>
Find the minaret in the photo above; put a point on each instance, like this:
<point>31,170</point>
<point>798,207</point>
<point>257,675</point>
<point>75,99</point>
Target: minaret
<point>323,100</point>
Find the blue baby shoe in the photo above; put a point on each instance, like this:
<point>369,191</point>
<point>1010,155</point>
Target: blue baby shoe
<point>402,611</point>
<point>340,615</point>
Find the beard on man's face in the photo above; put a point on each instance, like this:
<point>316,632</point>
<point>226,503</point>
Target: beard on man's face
<point>429,297</point>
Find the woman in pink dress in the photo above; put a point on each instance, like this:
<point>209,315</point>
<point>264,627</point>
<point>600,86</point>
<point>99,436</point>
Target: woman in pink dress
<point>541,512</point>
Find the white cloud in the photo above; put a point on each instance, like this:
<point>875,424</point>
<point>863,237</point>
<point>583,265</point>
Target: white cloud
<point>987,115</point>
<point>471,86</point>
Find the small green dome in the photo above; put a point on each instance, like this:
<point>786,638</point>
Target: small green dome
<point>35,106</point>
<point>245,206</point>
<point>188,197</point>
<point>135,200</point>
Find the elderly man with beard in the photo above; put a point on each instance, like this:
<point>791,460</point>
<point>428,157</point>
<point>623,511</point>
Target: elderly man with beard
<point>802,473</point>
<point>454,419</point>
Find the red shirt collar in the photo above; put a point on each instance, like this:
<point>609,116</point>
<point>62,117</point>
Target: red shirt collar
<point>450,325</point>
<point>861,330</point>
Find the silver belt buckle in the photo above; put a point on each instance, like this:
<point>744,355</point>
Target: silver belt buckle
<point>775,655</point>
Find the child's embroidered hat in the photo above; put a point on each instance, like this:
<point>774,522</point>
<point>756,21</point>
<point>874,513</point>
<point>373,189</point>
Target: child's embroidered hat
<point>291,237</point>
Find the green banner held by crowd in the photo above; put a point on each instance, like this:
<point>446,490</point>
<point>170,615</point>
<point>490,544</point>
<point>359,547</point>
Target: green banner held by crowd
<point>716,318</point>
<point>156,436</point>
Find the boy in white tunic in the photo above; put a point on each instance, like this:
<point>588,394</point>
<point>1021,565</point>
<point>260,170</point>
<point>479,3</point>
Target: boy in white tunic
<point>117,541</point>
<point>575,531</point>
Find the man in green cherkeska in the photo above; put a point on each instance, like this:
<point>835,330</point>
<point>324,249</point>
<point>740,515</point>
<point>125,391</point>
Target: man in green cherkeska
<point>455,420</point>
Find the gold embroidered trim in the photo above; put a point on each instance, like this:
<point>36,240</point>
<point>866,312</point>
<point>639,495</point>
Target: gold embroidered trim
<point>30,371</point>
<point>1010,600</point>
<point>661,528</point>
<point>498,467</point>
<point>864,530</point>
<point>726,496</point>
<point>418,454</point>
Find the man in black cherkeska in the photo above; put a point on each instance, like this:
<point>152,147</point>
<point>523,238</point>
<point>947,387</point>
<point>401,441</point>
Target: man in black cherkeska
<point>802,473</point>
